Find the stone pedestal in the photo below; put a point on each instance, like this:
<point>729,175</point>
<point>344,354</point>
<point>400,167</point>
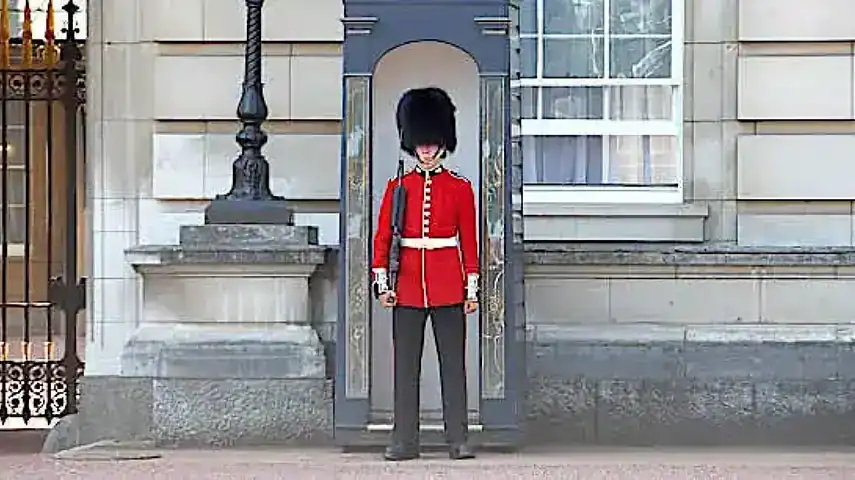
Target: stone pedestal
<point>225,352</point>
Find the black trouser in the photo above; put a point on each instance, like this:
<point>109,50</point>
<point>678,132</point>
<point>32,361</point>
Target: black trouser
<point>408,334</point>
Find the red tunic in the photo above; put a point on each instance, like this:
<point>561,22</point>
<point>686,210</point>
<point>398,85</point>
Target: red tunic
<point>440,207</point>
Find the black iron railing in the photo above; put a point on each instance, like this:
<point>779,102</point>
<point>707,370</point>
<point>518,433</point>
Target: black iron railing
<point>42,295</point>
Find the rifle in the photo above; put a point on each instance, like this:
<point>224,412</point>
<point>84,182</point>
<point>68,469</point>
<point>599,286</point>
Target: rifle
<point>399,202</point>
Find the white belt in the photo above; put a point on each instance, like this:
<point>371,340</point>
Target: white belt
<point>426,243</point>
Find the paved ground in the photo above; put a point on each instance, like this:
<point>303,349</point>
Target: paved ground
<point>569,465</point>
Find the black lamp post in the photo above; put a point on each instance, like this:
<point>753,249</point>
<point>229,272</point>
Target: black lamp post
<point>250,201</point>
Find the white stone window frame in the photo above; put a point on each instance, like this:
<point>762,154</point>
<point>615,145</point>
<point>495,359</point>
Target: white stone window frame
<point>606,194</point>
<point>15,249</point>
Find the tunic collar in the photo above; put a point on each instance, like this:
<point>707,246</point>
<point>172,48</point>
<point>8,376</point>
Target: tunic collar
<point>428,173</point>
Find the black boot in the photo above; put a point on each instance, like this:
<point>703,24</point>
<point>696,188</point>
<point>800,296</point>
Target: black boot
<point>460,451</point>
<point>399,452</point>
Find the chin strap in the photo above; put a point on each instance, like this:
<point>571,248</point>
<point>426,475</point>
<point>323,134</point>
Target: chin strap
<point>439,155</point>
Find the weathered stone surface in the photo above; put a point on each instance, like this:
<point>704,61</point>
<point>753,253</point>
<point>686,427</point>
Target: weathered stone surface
<point>246,236</point>
<point>199,385</point>
<point>561,410</point>
<point>199,412</point>
<point>105,414</point>
<point>258,212</point>
<point>230,244</point>
<point>237,412</point>
<point>202,351</point>
<point>231,255</point>
<point>688,393</point>
<point>723,254</point>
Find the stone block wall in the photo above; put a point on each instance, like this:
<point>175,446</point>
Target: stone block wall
<point>796,89</point>
<point>682,346</point>
<point>163,84</point>
<point>700,345</point>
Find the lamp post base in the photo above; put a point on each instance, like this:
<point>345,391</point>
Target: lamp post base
<point>248,212</point>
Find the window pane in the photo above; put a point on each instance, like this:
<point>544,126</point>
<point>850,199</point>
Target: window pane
<point>643,160</point>
<point>585,103</point>
<point>528,57</point>
<point>528,102</point>
<point>571,160</point>
<point>528,16</point>
<point>16,218</point>
<point>573,16</point>
<point>641,103</point>
<point>15,139</point>
<point>647,17</point>
<point>17,187</point>
<point>14,113</point>
<point>574,58</point>
<point>641,58</point>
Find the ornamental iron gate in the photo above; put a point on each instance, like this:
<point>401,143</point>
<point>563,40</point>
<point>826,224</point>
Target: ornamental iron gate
<point>42,293</point>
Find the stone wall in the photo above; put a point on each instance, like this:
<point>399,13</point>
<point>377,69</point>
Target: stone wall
<point>697,345</point>
<point>645,346</point>
<point>796,90</point>
<point>690,345</point>
<point>163,84</point>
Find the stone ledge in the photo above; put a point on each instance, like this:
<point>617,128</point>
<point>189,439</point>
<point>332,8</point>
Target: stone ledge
<point>697,352</point>
<point>701,255</point>
<point>615,210</point>
<point>725,254</point>
<point>234,245</point>
<point>224,352</point>
<point>144,255</point>
<point>615,222</point>
<point>247,236</point>
<point>638,334</point>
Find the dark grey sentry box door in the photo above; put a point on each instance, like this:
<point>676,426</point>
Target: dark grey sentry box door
<point>465,48</point>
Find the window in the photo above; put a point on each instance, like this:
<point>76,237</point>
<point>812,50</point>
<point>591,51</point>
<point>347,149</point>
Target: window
<point>15,197</point>
<point>601,100</point>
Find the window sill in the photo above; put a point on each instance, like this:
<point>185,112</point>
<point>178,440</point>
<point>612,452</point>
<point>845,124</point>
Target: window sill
<point>602,195</point>
<point>614,222</point>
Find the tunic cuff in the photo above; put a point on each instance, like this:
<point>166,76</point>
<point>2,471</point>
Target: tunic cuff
<point>472,287</point>
<point>380,285</point>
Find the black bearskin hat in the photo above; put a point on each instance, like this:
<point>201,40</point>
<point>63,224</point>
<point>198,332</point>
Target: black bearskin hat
<point>426,117</point>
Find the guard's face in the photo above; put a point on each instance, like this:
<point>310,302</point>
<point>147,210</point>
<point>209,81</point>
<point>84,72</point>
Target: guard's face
<point>428,156</point>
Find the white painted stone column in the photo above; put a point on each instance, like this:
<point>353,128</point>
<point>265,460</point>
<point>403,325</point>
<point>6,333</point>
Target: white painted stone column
<point>119,131</point>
